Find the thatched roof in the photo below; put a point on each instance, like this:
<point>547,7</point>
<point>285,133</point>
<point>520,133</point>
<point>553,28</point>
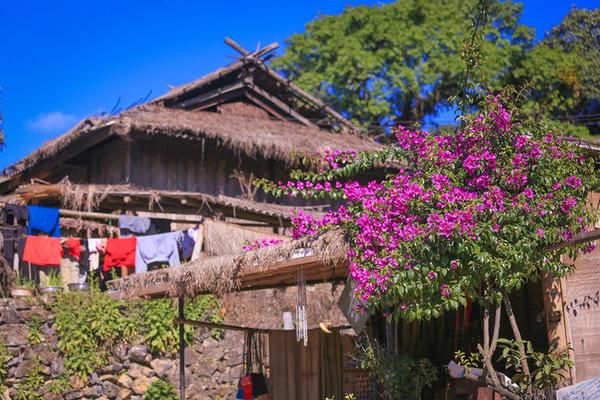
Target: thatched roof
<point>252,136</point>
<point>256,137</point>
<point>221,238</point>
<point>252,79</point>
<point>228,273</point>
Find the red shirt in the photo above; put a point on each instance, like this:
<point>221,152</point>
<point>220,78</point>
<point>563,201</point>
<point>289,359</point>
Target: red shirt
<point>42,250</point>
<point>120,253</point>
<point>74,248</point>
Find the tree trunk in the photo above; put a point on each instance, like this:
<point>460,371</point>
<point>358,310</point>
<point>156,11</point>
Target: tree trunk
<point>517,334</point>
<point>489,347</point>
<point>408,115</point>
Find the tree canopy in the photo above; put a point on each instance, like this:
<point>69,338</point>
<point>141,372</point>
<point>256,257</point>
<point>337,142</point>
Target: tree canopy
<point>562,70</point>
<point>400,60</point>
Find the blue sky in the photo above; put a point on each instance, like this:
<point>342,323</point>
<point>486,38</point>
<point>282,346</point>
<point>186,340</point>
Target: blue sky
<point>63,60</point>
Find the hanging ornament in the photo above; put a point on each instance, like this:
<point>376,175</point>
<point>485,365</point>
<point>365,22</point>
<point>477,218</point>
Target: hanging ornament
<point>302,323</point>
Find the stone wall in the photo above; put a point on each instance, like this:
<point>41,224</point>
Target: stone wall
<point>212,367</point>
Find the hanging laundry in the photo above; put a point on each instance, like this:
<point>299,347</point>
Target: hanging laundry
<point>73,266</point>
<point>23,267</point>
<point>12,217</point>
<point>120,252</point>
<point>84,264</point>
<point>14,214</point>
<point>131,225</point>
<point>188,241</point>
<point>94,246</point>
<point>73,247</point>
<point>42,250</point>
<point>102,245</point>
<point>157,248</point>
<point>44,219</point>
<point>199,243</point>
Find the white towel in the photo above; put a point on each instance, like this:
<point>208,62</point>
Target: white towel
<point>94,255</point>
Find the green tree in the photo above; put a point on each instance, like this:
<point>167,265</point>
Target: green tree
<point>562,71</point>
<point>400,61</point>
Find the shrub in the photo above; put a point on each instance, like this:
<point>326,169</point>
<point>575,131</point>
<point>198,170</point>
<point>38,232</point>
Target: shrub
<point>160,390</point>
<point>89,324</point>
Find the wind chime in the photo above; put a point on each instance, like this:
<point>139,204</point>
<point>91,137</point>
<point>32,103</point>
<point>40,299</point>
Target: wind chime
<point>302,324</point>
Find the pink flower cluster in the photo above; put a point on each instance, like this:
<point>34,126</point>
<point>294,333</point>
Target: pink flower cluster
<point>334,159</point>
<point>457,187</point>
<point>261,243</point>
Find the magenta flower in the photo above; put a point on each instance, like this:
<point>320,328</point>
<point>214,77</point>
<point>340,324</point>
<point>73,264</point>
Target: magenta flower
<point>573,182</point>
<point>568,204</point>
<point>456,188</point>
<point>445,290</point>
<point>540,232</point>
<point>527,192</point>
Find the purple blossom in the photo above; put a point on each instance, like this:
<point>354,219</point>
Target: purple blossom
<point>540,232</point>
<point>573,182</point>
<point>445,290</point>
<point>568,204</point>
<point>455,188</point>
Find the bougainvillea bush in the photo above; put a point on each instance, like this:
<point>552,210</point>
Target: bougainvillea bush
<point>468,213</point>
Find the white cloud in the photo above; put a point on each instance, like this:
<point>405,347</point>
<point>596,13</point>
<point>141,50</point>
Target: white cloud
<point>51,122</point>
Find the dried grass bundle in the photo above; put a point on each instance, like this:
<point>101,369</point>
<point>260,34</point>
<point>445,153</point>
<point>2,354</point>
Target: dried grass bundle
<point>220,274</point>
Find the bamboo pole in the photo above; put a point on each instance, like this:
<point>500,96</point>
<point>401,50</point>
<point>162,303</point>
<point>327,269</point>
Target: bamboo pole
<point>114,217</point>
<point>181,349</point>
<point>227,327</point>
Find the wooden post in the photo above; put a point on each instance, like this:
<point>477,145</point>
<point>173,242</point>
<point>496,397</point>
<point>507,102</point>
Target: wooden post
<point>181,350</point>
<point>557,320</point>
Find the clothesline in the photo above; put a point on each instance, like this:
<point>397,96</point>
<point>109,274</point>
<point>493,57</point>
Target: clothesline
<point>141,240</point>
<point>114,217</point>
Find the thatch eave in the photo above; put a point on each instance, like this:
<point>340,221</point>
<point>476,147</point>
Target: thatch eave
<point>268,267</point>
<point>255,137</point>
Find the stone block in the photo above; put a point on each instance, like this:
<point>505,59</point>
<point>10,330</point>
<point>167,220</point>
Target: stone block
<point>141,384</point>
<point>138,353</point>
<point>161,367</point>
<point>13,335</point>
<point>125,381</point>
<point>137,371</point>
<point>110,390</point>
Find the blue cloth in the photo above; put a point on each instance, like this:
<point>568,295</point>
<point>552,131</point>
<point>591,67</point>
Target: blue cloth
<point>161,248</point>
<point>43,219</point>
<point>188,241</point>
<point>131,225</point>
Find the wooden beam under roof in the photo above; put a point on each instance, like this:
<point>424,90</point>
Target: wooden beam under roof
<point>304,94</point>
<point>236,87</point>
<point>286,108</point>
<point>282,274</point>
